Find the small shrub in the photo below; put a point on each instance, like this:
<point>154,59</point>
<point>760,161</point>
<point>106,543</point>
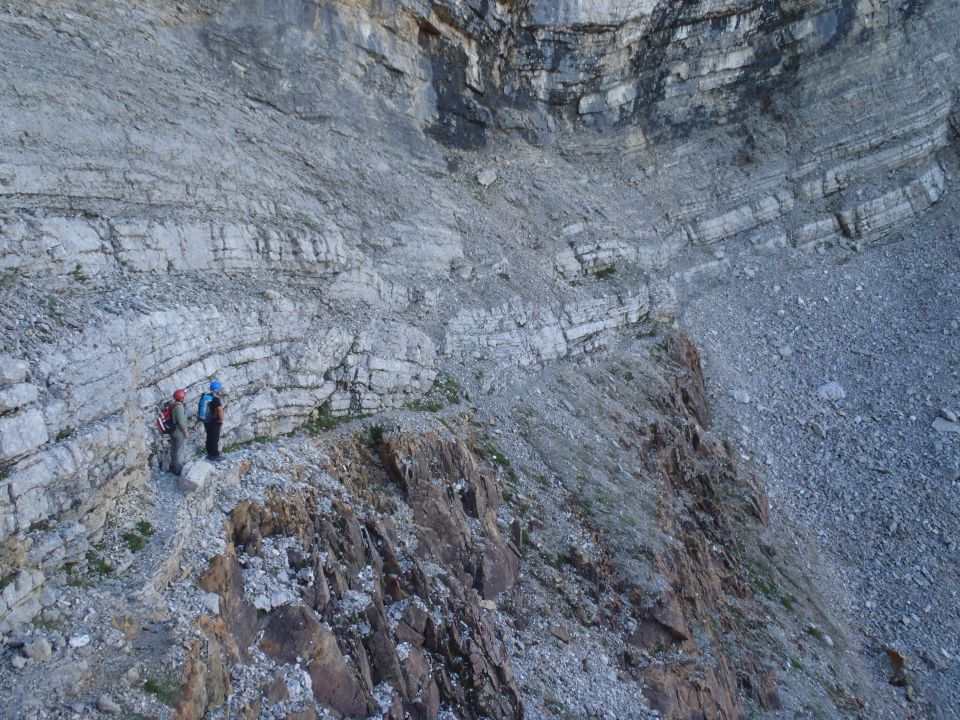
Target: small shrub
<point>445,391</point>
<point>789,602</point>
<point>97,564</point>
<point>64,433</point>
<point>145,528</point>
<point>765,587</point>
<point>9,278</point>
<point>323,420</point>
<point>605,272</point>
<point>79,275</point>
<point>448,387</point>
<point>374,435</point>
<point>424,405</point>
<point>498,456</point>
<point>628,376</point>
<point>134,541</point>
<point>164,690</point>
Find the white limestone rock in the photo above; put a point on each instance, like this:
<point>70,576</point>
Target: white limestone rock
<point>487,177</point>
<point>195,477</point>
<point>831,391</point>
<point>16,396</point>
<point>12,370</point>
<point>21,433</point>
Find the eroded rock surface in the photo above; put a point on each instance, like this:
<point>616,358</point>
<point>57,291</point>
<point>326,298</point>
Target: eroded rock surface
<point>355,208</point>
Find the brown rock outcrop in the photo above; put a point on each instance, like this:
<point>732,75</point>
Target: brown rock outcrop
<point>465,489</point>
<point>703,569</point>
<point>338,628</point>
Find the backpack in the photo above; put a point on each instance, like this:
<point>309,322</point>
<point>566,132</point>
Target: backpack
<point>164,418</point>
<point>203,407</point>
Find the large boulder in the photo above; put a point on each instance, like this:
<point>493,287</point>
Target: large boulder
<point>294,634</point>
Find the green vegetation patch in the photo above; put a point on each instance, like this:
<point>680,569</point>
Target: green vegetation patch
<point>445,391</point>
<point>605,272</point>
<point>135,542</point>
<point>374,435</point>
<point>79,275</point>
<point>489,450</point>
<point>9,278</point>
<point>323,420</point>
<point>97,564</point>
<point>165,690</point>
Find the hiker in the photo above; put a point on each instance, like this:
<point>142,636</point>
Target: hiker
<point>178,432</point>
<point>210,413</point>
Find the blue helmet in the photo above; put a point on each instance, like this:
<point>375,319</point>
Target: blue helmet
<point>215,385</point>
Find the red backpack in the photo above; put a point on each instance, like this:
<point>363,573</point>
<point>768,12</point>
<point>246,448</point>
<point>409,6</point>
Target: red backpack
<point>164,418</point>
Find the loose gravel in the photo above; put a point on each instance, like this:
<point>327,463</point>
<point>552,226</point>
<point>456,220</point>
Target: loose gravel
<point>830,370</point>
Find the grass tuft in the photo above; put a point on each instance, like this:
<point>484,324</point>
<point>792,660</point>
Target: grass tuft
<point>323,420</point>
<point>164,690</point>
<point>134,541</point>
<point>97,564</point>
<point>605,272</point>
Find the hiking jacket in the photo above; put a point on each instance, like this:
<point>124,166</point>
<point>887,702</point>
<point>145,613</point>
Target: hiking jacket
<point>179,418</point>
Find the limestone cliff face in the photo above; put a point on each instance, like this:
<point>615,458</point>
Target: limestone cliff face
<point>162,165</point>
<point>663,69</point>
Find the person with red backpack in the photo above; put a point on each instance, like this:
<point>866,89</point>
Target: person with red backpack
<point>178,432</point>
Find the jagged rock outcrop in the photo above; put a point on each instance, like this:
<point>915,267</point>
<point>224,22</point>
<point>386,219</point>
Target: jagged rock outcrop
<point>376,614</point>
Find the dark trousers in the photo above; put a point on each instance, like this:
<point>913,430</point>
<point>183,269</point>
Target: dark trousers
<point>213,439</point>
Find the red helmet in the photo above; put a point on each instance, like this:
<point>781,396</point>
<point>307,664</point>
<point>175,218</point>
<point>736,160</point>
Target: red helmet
<point>179,395</point>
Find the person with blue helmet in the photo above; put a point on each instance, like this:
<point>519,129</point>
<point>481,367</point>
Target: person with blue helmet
<point>211,414</point>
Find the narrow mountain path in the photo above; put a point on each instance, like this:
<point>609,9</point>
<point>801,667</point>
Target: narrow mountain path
<point>836,373</point>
